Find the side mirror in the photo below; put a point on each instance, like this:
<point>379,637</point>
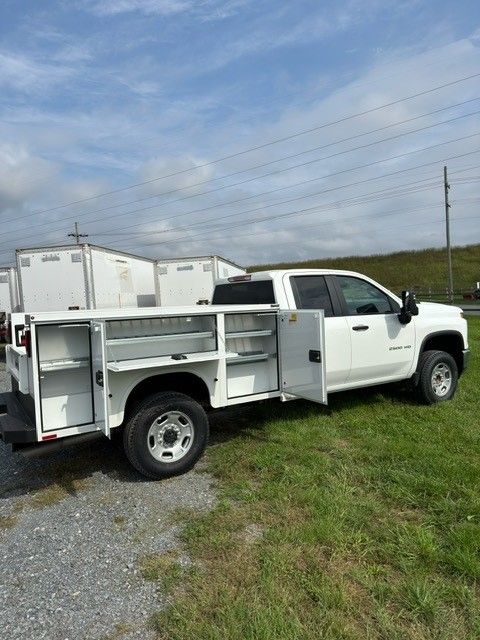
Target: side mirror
<point>409,307</point>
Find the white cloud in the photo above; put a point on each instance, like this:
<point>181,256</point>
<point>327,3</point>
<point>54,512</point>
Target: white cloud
<point>206,10</point>
<point>23,73</point>
<point>160,7</point>
<point>22,177</point>
<point>109,137</point>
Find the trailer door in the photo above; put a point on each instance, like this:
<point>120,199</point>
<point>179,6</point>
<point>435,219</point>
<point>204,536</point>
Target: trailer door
<point>302,354</point>
<point>100,377</point>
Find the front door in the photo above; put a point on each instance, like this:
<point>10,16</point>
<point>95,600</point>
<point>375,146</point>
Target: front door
<point>302,354</point>
<point>382,347</point>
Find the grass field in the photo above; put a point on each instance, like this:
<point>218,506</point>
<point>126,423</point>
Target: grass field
<point>356,521</point>
<point>407,269</point>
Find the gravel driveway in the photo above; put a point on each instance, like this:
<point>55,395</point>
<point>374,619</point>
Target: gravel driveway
<point>73,529</point>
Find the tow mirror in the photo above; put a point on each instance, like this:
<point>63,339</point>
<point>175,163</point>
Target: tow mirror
<point>409,307</point>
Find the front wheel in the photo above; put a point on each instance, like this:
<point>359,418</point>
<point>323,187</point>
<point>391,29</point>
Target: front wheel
<point>166,436</point>
<point>438,377</point>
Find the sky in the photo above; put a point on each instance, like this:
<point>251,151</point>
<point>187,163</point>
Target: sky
<point>260,130</point>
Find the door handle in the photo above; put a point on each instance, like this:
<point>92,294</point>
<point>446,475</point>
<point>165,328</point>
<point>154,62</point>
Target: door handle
<point>360,327</point>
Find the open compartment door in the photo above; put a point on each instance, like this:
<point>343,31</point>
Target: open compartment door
<point>100,377</point>
<point>302,354</point>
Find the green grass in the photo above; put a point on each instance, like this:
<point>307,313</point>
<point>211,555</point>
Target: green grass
<point>8,522</point>
<point>356,521</point>
<point>406,269</point>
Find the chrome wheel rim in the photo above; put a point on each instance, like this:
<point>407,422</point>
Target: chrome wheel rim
<point>170,437</point>
<point>441,379</point>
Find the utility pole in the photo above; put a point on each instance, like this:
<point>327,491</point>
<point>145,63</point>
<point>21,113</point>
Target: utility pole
<point>77,235</point>
<point>446,187</point>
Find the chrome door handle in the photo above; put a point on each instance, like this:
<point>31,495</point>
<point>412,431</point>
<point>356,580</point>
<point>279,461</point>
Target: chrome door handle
<point>360,327</point>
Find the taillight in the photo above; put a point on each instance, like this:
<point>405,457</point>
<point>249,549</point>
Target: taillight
<point>244,278</point>
<point>26,341</point>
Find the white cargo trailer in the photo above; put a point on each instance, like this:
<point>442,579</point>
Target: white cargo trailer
<point>9,300</point>
<point>186,281</point>
<point>83,277</point>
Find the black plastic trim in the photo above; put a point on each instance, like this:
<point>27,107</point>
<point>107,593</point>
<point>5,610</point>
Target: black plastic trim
<point>435,334</point>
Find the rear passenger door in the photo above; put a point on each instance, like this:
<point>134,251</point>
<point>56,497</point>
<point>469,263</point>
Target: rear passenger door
<point>318,292</point>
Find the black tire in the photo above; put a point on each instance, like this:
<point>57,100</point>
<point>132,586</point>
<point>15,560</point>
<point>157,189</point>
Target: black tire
<point>428,362</point>
<point>137,443</point>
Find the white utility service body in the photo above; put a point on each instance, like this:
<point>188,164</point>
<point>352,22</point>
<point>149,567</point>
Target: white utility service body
<point>186,281</point>
<point>152,372</point>
<point>81,367</point>
<point>83,277</point>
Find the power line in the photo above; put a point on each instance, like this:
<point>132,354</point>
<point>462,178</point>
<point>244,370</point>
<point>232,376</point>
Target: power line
<point>351,201</point>
<point>373,196</point>
<point>254,221</point>
<point>327,221</point>
<point>321,192</point>
<point>384,190</point>
<point>304,182</point>
<point>309,181</point>
<point>290,242</point>
<point>266,144</point>
<point>276,172</point>
<point>356,183</point>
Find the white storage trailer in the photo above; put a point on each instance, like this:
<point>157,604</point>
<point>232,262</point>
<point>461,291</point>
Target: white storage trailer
<point>9,300</point>
<point>186,281</point>
<point>83,277</point>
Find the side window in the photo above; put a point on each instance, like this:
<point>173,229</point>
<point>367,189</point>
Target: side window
<point>311,292</point>
<point>362,297</point>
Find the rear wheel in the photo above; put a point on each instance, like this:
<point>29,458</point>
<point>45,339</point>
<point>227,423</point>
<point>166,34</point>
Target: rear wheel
<point>438,377</point>
<point>166,435</point>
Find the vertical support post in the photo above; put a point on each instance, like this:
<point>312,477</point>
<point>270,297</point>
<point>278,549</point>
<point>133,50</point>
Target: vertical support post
<point>446,187</point>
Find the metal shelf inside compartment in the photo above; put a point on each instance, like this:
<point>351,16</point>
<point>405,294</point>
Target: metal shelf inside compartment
<point>64,364</point>
<point>254,333</point>
<point>249,356</point>
<point>166,336</point>
<point>118,366</point>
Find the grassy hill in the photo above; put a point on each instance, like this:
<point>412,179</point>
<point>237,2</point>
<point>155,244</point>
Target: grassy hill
<point>406,269</point>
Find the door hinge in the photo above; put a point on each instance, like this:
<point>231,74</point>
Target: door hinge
<point>314,356</point>
<point>99,378</point>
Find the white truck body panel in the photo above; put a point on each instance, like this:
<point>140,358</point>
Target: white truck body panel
<point>185,281</point>
<point>84,277</point>
<point>83,365</point>
<point>9,300</point>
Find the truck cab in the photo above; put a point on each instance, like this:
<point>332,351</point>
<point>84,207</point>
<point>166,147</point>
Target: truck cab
<point>368,341</point>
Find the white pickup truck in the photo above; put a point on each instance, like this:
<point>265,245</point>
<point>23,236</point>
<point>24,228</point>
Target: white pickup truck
<point>153,373</point>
